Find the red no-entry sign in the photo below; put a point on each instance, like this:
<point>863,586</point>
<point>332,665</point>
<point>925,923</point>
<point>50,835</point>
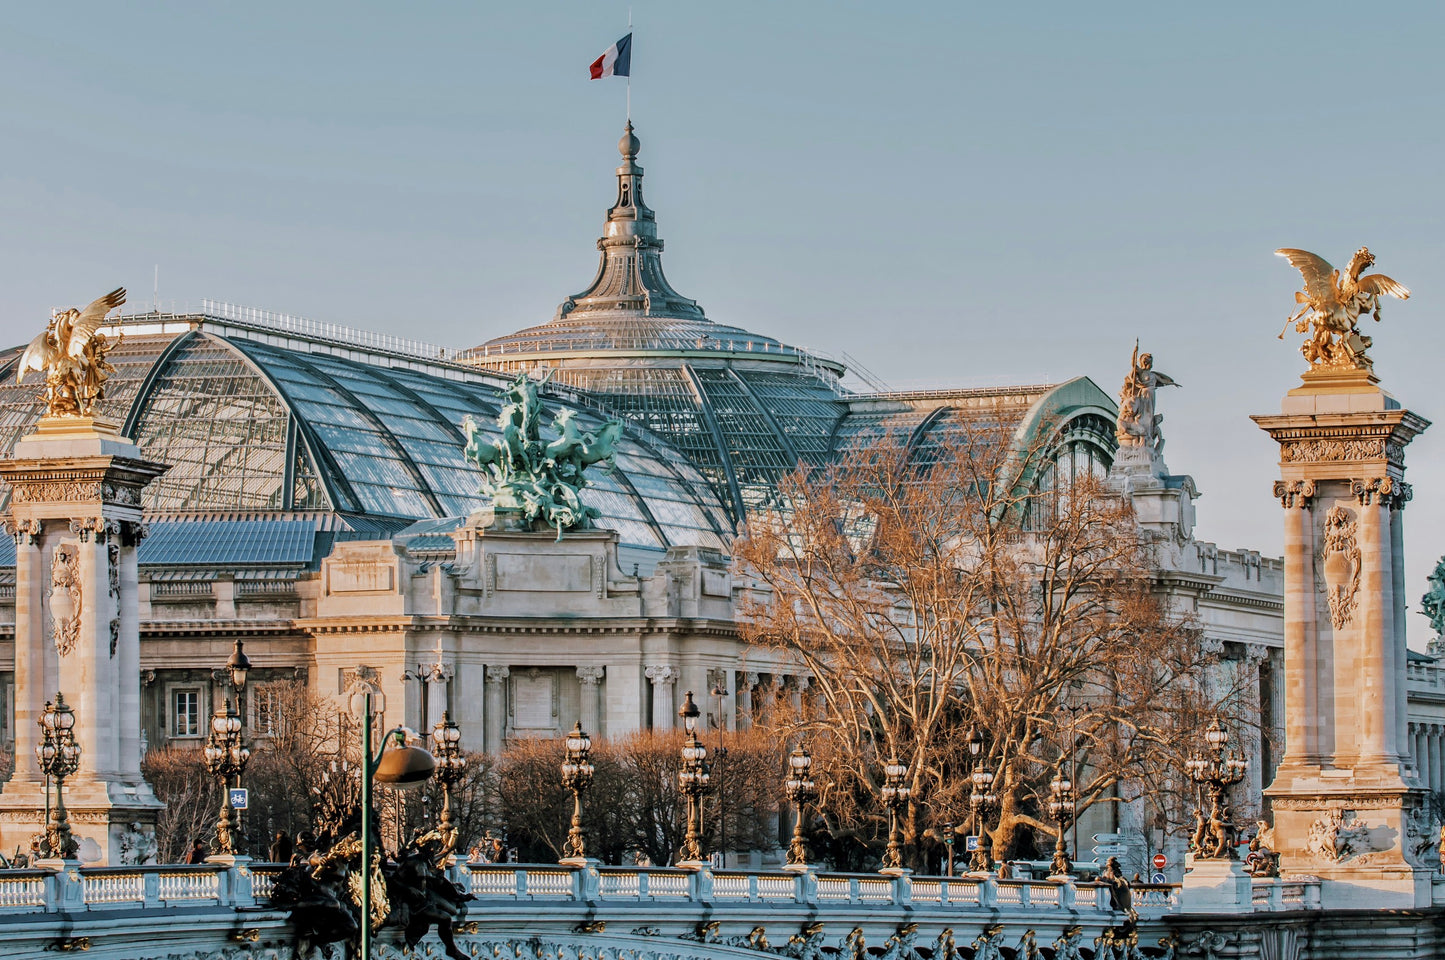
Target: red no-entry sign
<point>1160,861</point>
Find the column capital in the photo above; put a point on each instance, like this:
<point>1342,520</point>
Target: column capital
<point>1294,493</point>
<point>497,672</point>
<point>751,679</point>
<point>590,675</point>
<point>1376,491</point>
<point>21,529</point>
<point>661,673</point>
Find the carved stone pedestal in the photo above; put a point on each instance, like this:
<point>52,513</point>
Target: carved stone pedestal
<point>75,514</point>
<point>1215,886</point>
<point>1346,808</point>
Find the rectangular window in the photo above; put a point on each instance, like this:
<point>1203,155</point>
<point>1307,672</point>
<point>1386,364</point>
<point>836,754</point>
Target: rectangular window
<point>186,713</point>
<point>266,706</point>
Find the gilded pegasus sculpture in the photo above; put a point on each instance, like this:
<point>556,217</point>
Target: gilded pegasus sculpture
<point>71,354</point>
<point>1332,303</point>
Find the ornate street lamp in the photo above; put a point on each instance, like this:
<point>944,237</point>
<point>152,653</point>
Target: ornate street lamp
<point>895,794</point>
<point>693,782</point>
<point>226,758</point>
<point>720,755</point>
<point>1061,809</point>
<point>1217,837</point>
<point>800,790</point>
<point>238,666</point>
<point>401,767</point>
<point>451,764</point>
<point>980,800</point>
<point>59,757</point>
<point>577,773</point>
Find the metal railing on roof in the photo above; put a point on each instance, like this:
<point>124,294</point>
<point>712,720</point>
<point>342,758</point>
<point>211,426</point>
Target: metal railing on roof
<point>319,329</point>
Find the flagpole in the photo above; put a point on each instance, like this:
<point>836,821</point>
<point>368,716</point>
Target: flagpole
<point>629,69</point>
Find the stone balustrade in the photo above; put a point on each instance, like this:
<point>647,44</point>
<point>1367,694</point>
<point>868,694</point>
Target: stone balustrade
<point>208,905</point>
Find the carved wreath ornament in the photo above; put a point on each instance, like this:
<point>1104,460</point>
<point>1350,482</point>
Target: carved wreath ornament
<point>1341,557</point>
<point>65,597</point>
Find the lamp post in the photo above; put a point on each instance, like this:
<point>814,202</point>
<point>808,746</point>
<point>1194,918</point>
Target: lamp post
<point>895,794</point>
<point>446,740</point>
<point>720,752</point>
<point>948,844</point>
<point>238,666</point>
<point>1061,807</point>
<point>693,781</point>
<point>800,790</point>
<point>577,776</point>
<point>226,758</point>
<point>402,767</point>
<point>1074,708</point>
<point>980,800</point>
<point>59,757</point>
<point>1217,771</point>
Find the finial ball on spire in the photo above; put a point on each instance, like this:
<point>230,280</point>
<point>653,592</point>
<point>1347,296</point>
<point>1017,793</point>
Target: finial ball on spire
<point>629,144</point>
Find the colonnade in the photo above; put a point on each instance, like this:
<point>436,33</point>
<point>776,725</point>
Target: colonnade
<point>1427,753</point>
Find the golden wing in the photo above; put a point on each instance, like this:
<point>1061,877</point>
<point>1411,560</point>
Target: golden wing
<point>37,356</point>
<point>1318,274</point>
<point>1379,284</point>
<point>90,320</point>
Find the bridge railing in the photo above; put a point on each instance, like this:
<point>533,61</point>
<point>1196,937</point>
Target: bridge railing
<point>73,887</point>
<point>498,884</point>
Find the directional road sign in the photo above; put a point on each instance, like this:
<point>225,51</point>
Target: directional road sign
<point>1110,849</point>
<point>1158,878</point>
<point>1108,837</point>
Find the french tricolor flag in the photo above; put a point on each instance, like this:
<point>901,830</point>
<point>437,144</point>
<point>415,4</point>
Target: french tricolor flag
<point>616,62</point>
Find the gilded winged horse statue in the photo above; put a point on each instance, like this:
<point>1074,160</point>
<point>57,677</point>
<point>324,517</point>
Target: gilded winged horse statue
<point>71,354</point>
<point>1332,303</point>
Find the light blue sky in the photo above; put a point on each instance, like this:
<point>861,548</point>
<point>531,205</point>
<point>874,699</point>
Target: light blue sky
<point>954,193</point>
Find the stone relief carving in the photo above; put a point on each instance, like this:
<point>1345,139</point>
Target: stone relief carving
<point>1422,837</point>
<point>1335,837</point>
<point>1298,451</point>
<point>137,845</point>
<point>1341,559</point>
<point>65,597</point>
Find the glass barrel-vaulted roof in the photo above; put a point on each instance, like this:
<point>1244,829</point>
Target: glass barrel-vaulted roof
<point>253,428</point>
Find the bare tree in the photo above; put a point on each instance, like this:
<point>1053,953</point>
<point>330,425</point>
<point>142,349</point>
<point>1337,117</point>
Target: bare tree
<point>970,585</point>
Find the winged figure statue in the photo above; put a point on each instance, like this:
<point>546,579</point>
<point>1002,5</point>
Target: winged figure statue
<point>71,354</point>
<point>1332,303</point>
<point>1138,424</point>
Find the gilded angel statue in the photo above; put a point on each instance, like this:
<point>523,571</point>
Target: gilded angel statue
<point>71,354</point>
<point>1332,302</point>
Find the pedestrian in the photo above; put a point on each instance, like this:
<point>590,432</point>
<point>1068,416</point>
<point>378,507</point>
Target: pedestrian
<point>281,848</point>
<point>198,851</point>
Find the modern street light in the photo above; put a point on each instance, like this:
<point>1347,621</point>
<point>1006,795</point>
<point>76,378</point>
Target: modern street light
<point>800,790</point>
<point>577,773</point>
<point>1219,770</point>
<point>693,781</point>
<point>451,765</point>
<point>980,800</point>
<point>895,794</point>
<point>1074,707</point>
<point>1061,808</point>
<point>401,767</point>
<point>59,757</point>
<point>226,757</point>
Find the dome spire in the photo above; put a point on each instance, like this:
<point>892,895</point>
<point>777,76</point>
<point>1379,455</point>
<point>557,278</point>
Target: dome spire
<point>629,278</point>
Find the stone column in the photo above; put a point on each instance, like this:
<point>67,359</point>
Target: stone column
<point>1254,655</point>
<point>75,513</point>
<point>745,700</point>
<point>1403,494</point>
<point>1375,617</point>
<point>31,650</point>
<point>1437,759</point>
<point>1303,720</point>
<point>496,714</point>
<point>436,694</point>
<point>664,709</point>
<point>590,679</point>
